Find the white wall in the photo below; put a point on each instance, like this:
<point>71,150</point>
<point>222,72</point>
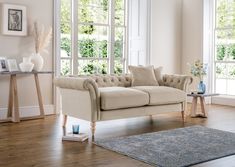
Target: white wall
<point>192,33</point>
<point>166,35</point>
<point>17,47</point>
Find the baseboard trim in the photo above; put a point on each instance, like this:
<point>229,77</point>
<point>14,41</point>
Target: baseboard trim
<point>224,100</point>
<point>29,111</point>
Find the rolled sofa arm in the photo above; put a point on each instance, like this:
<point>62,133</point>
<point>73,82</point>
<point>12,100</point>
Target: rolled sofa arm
<point>85,84</point>
<point>177,81</point>
<point>74,83</point>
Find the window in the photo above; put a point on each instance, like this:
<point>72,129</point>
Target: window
<point>225,47</point>
<point>93,36</point>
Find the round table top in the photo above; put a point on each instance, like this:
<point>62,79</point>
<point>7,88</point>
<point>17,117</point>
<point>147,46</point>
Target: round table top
<point>202,95</point>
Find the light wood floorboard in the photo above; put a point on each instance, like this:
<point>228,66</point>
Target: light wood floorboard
<point>37,143</point>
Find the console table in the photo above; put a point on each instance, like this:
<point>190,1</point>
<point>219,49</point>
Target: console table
<point>202,103</point>
<point>13,115</point>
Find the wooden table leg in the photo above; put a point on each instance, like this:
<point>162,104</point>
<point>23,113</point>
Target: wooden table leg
<point>203,107</point>
<point>39,95</point>
<point>16,115</point>
<point>194,107</point>
<point>10,99</point>
<point>65,120</point>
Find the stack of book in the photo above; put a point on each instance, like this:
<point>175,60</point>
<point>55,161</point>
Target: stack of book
<point>75,137</point>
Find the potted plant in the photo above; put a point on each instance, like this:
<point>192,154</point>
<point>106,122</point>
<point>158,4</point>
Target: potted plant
<point>42,39</point>
<point>199,69</point>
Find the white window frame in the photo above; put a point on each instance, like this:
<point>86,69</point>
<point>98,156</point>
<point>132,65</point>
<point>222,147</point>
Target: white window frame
<point>209,53</point>
<point>214,56</point>
<point>74,58</point>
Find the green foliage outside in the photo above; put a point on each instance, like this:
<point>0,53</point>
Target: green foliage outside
<point>89,46</point>
<point>92,48</point>
<point>226,52</point>
<point>65,67</point>
<point>65,17</point>
<point>94,67</point>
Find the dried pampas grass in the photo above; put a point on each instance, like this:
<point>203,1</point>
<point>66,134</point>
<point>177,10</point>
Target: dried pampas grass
<point>42,38</point>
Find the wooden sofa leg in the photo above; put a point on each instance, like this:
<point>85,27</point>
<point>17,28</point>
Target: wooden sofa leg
<point>183,116</point>
<point>65,120</point>
<point>93,128</point>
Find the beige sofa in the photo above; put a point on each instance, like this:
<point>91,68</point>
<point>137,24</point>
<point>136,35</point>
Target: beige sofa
<point>107,97</point>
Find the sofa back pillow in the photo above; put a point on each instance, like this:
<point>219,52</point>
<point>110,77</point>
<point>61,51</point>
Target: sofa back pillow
<point>143,76</point>
<point>158,75</point>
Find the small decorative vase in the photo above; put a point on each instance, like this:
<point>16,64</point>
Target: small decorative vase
<point>201,87</point>
<point>26,65</point>
<point>38,62</point>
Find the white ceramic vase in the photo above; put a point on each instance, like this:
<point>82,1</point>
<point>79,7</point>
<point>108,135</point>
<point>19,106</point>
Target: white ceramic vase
<point>38,61</point>
<point>26,65</point>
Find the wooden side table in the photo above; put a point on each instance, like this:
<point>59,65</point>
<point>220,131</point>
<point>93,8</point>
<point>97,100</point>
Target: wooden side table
<point>202,103</point>
<point>13,115</point>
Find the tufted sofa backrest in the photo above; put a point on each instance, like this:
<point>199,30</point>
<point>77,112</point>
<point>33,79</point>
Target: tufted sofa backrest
<point>108,80</point>
<point>177,81</point>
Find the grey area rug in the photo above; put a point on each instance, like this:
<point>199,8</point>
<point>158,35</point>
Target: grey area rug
<point>174,148</point>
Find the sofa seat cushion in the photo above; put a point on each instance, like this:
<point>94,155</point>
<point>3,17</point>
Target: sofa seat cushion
<point>160,95</point>
<point>119,97</point>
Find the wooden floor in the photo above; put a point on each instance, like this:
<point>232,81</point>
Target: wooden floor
<point>37,143</point>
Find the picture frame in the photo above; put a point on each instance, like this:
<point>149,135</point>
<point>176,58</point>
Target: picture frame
<point>14,20</point>
<point>3,64</point>
<point>12,65</point>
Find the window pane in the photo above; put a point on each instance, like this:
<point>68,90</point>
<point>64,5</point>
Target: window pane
<point>221,86</point>
<point>65,29</point>
<point>118,67</point>
<point>225,14</point>
<point>225,52</point>
<point>231,87</point>
<point>225,20</point>
<point>221,70</point>
<point>92,67</point>
<point>93,41</point>
<point>225,36</point>
<point>231,71</point>
<point>230,52</point>
<point>119,12</point>
<point>65,36</point>
<point>225,78</point>
<point>119,34</point>
<point>65,45</point>
<point>220,52</point>
<point>65,67</point>
<point>118,49</point>
<point>93,11</point>
<point>65,16</point>
<point>119,42</point>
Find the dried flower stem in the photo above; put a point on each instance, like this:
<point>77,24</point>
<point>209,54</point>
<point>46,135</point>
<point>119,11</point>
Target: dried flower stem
<point>42,38</point>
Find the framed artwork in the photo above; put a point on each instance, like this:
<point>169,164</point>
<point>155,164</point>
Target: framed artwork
<point>12,65</point>
<point>3,64</point>
<point>14,20</point>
